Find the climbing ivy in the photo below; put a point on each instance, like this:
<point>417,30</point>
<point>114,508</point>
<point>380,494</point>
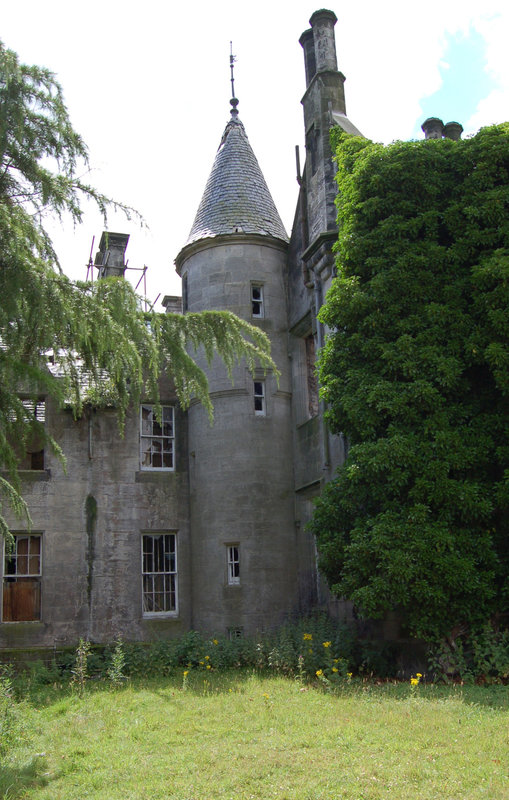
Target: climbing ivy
<point>415,373</point>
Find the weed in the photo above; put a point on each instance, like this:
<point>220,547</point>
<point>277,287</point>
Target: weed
<point>115,673</point>
<point>79,673</point>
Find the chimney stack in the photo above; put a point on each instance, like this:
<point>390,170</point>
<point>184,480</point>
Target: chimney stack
<point>322,23</point>
<point>434,128</point>
<point>110,258</point>
<point>308,45</point>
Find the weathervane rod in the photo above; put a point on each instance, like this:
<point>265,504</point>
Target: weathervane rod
<point>232,62</point>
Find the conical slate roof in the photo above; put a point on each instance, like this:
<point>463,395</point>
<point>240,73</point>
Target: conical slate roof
<point>236,197</point>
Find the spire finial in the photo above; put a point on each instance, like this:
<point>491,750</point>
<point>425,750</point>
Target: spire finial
<point>233,102</point>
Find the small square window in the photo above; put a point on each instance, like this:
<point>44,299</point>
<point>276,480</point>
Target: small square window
<point>233,557</point>
<point>157,439</point>
<point>257,309</point>
<point>259,398</point>
<point>22,580</point>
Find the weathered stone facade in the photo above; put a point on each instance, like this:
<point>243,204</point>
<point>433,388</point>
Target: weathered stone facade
<point>185,525</point>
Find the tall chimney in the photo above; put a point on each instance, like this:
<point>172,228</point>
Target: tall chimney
<point>308,45</point>
<point>322,22</point>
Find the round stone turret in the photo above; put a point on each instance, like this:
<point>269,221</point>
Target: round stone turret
<point>244,572</point>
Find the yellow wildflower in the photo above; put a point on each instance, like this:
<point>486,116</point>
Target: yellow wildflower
<point>414,681</point>
<point>208,666</point>
<point>207,658</point>
<point>186,672</point>
<point>319,672</point>
<point>334,669</point>
<point>214,641</point>
<point>349,674</point>
<point>307,637</point>
<point>418,674</point>
<point>327,644</point>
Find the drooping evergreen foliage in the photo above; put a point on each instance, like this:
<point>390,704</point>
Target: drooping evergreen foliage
<point>416,376</point>
<point>77,342</point>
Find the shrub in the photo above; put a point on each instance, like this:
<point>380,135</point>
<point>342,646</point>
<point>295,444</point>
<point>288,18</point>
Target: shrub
<point>11,726</point>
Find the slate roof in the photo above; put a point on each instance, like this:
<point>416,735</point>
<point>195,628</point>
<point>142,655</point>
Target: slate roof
<point>344,123</point>
<point>236,197</point>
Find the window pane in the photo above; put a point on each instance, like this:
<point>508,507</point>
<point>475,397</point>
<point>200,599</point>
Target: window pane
<point>146,420</point>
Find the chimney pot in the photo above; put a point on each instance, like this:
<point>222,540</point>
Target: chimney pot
<point>308,45</point>
<point>322,23</point>
<point>433,128</point>
<point>453,130</point>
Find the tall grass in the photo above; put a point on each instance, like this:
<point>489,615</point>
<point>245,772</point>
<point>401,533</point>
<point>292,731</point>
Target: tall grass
<point>237,735</point>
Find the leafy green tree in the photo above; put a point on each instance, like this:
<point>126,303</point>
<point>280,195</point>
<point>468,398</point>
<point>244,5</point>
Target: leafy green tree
<point>415,373</point>
<point>97,334</point>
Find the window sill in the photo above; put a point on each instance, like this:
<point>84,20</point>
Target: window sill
<point>31,475</point>
<point>163,616</point>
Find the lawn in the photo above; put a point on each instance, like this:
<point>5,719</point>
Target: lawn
<point>237,736</point>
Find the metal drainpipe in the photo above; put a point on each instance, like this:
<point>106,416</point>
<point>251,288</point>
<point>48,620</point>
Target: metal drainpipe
<point>318,290</point>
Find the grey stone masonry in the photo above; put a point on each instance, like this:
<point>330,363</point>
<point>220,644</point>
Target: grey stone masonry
<point>236,197</point>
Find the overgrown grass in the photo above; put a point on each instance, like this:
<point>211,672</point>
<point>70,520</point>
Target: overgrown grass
<point>239,735</point>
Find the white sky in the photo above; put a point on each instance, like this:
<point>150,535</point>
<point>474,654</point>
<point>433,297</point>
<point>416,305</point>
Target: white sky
<point>147,86</point>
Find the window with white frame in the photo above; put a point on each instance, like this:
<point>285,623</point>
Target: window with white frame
<point>159,574</point>
<point>257,309</point>
<point>259,397</point>
<point>233,561</point>
<point>21,595</point>
<point>157,439</point>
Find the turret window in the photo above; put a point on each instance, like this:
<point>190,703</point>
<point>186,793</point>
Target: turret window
<point>233,557</point>
<point>259,398</point>
<point>257,301</point>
